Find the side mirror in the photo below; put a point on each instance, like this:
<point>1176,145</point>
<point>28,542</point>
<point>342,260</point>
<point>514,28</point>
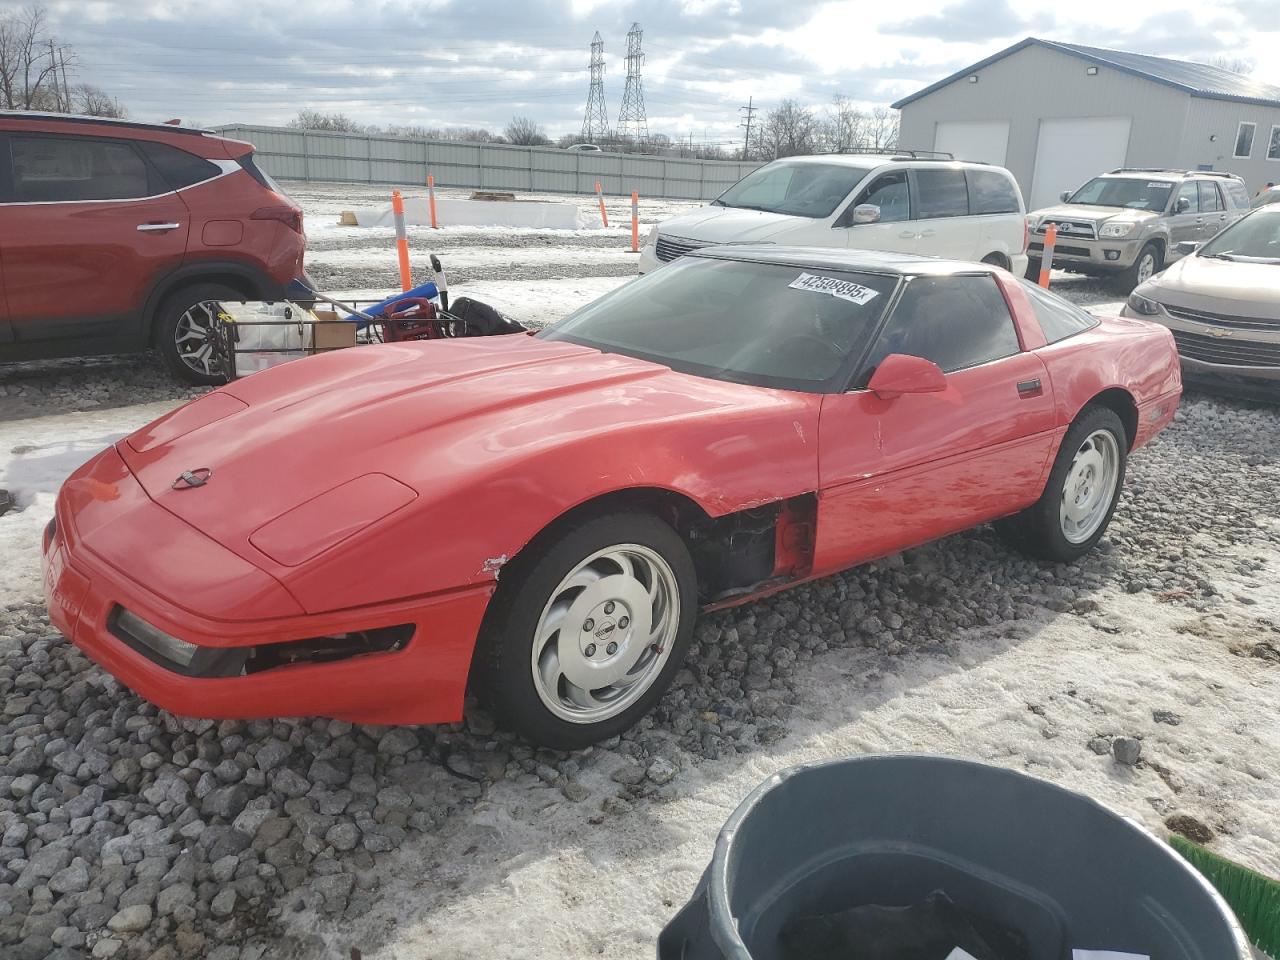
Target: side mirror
<point>1183,205</point>
<point>1064,196</point>
<point>900,373</point>
<point>866,213</point>
<point>1186,247</point>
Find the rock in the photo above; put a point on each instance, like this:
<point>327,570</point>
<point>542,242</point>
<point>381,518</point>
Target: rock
<point>343,835</point>
<point>71,879</point>
<point>398,741</point>
<point>662,771</point>
<point>225,802</point>
<point>7,502</point>
<point>1126,750</point>
<point>1189,827</point>
<point>290,783</point>
<point>1100,745</point>
<point>629,775</point>
<point>133,919</point>
<point>173,897</point>
<point>575,791</point>
<point>334,891</point>
<point>107,947</point>
<point>271,755</point>
<point>333,773</point>
<point>224,903</point>
<point>1166,716</point>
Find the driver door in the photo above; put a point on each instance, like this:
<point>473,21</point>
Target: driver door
<point>894,231</point>
<point>898,472</point>
<point>1187,224</point>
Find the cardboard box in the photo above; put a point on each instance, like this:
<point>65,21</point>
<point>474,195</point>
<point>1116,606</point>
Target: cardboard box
<point>330,332</point>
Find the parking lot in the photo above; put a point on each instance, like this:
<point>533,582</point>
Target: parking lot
<point>316,838</point>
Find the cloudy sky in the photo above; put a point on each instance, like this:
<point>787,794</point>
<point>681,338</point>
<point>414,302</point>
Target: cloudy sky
<point>479,62</point>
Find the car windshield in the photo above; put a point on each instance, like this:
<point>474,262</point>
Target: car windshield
<point>1255,238</point>
<point>796,328</point>
<point>798,189</point>
<point>1132,192</point>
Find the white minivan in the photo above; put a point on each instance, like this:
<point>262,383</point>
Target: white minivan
<point>905,202</point>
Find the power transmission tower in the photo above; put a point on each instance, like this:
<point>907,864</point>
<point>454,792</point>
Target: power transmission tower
<point>749,110</point>
<point>632,121</point>
<point>595,125</point>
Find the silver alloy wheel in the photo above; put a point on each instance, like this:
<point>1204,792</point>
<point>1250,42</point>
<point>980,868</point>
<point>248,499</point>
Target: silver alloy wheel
<point>192,338</point>
<point>1090,486</point>
<point>1146,267</point>
<point>606,633</point>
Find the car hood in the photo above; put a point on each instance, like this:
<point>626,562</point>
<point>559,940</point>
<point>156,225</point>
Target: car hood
<point>713,224</point>
<point>307,454</point>
<point>1089,213</point>
<point>1227,287</point>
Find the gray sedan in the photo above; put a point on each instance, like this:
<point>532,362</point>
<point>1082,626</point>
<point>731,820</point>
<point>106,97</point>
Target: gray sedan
<point>1223,305</point>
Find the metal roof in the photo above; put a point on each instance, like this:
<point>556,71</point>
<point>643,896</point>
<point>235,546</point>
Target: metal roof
<point>107,121</point>
<point>1197,79</point>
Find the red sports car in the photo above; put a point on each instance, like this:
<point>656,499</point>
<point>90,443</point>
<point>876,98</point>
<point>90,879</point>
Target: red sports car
<point>364,533</point>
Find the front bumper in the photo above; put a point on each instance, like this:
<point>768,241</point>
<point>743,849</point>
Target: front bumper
<point>1217,354</point>
<point>1092,256</point>
<point>423,682</point>
<point>648,259</point>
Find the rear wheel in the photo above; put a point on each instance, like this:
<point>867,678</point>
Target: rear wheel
<point>1033,270</point>
<point>184,325</point>
<point>583,637</point>
<point>1081,494</point>
<point>997,260</point>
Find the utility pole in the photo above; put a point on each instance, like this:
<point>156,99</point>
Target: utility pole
<point>53,67</point>
<point>66,90</point>
<point>632,121</point>
<point>749,110</point>
<point>595,123</point>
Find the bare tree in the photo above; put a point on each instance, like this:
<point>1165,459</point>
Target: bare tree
<point>846,124</point>
<point>92,101</point>
<point>525,132</point>
<point>315,120</point>
<point>787,131</point>
<point>1241,65</point>
<point>29,62</point>
<point>882,129</point>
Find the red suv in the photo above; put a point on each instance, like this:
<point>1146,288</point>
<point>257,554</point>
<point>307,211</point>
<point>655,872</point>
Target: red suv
<point>115,236</point>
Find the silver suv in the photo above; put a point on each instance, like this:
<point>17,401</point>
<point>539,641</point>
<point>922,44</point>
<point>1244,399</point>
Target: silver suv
<point>1128,222</point>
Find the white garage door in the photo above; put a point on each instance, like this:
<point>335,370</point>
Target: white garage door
<point>1070,152</point>
<point>973,140</point>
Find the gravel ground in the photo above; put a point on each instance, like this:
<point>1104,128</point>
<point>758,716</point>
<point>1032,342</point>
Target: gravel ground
<point>127,832</point>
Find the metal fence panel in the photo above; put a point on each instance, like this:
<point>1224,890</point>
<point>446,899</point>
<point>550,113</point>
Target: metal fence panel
<point>358,158</point>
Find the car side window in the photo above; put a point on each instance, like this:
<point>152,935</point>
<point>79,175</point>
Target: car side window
<point>1237,194</point>
<point>1058,318</point>
<point>177,167</point>
<point>890,193</point>
<point>991,192</point>
<point>955,321</point>
<point>941,192</point>
<point>1210,201</point>
<point>67,169</point>
<point>1189,193</point>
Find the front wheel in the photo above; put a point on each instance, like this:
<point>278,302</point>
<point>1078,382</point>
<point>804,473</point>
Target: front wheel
<point>1145,266</point>
<point>583,637</point>
<point>1081,495</point>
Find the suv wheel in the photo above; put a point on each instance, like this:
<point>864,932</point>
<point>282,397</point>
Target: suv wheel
<point>184,324</point>
<point>1145,265</point>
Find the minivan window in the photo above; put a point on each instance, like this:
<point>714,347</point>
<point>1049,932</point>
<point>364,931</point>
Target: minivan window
<point>66,169</point>
<point>941,193</point>
<point>955,321</point>
<point>889,193</point>
<point>178,168</point>
<point>798,189</point>
<point>991,192</point>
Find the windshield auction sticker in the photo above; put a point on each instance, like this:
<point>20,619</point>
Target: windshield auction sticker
<point>843,289</point>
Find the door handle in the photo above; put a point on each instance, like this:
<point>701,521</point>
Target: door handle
<point>1199,219</point>
<point>1030,388</point>
<point>157,227</point>
<point>907,235</point>
<point>925,234</point>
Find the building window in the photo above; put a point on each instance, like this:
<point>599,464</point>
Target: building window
<point>1273,146</point>
<point>1244,140</point>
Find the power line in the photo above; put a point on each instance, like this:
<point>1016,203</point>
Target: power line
<point>632,121</point>
<point>595,123</point>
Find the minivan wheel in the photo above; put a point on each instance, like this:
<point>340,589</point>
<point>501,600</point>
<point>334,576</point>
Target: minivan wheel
<point>184,325</point>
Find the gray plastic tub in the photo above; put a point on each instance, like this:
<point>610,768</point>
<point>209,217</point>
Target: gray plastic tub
<point>1053,864</point>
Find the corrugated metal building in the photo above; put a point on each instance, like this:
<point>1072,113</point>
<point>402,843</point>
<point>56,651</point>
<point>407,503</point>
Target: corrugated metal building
<point>1057,114</point>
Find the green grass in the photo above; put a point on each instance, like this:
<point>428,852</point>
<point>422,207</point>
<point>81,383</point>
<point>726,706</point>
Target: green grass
<point>1255,899</point>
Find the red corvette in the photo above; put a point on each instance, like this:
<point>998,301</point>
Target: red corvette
<point>361,534</point>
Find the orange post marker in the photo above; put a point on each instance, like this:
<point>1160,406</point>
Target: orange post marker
<point>431,200</point>
<point>1046,256</point>
<point>635,221</point>
<point>600,196</point>
<point>402,241</point>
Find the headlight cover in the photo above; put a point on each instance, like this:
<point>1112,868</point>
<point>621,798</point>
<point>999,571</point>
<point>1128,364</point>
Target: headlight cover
<point>1140,304</point>
<point>1116,229</point>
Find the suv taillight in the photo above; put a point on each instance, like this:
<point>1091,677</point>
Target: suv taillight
<point>290,216</point>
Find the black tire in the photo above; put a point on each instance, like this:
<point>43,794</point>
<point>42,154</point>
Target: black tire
<point>502,674</point>
<point>171,311</point>
<point>997,260</point>
<point>1033,269</point>
<point>1127,280</point>
<point>1038,530</point>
